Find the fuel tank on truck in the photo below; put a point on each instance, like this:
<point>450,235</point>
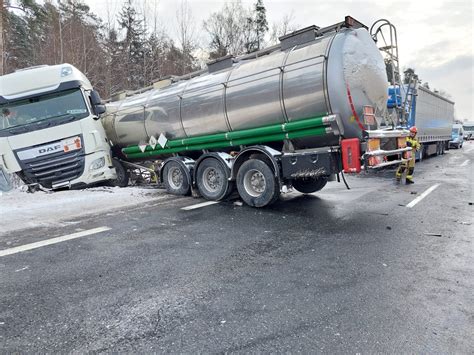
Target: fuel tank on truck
<point>308,74</point>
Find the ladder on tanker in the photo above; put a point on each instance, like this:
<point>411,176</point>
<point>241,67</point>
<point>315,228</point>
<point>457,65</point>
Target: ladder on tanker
<point>385,32</point>
<point>411,81</point>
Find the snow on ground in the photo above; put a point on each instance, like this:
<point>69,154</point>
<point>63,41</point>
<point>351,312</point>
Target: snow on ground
<point>20,210</point>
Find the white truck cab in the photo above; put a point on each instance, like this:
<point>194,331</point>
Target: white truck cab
<point>50,132</point>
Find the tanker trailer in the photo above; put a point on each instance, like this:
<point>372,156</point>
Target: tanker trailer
<point>293,115</point>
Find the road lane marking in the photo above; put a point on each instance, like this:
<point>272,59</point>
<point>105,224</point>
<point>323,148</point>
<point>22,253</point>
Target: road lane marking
<point>465,163</point>
<point>422,196</point>
<point>46,242</point>
<point>199,205</point>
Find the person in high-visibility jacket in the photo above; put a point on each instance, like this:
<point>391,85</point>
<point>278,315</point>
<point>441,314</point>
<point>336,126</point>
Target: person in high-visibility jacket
<point>410,164</point>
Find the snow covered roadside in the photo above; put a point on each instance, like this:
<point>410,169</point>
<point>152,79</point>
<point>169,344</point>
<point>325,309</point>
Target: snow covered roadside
<point>20,210</point>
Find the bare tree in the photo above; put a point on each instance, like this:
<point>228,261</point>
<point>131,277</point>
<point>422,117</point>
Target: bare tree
<point>226,29</point>
<point>186,27</point>
<point>283,27</point>
<point>186,32</point>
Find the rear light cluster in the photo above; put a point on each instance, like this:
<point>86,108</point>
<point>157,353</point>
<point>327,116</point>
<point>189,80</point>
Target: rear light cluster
<point>351,155</point>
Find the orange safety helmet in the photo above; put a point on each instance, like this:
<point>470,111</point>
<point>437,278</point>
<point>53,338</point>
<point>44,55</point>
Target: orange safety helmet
<point>413,130</point>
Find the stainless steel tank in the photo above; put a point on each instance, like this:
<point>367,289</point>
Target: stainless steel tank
<point>300,82</point>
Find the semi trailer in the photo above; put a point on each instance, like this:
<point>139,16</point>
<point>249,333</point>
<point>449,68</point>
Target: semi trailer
<point>430,112</point>
<point>294,115</point>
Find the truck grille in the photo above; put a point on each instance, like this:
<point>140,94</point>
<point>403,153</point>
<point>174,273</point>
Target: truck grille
<point>54,168</point>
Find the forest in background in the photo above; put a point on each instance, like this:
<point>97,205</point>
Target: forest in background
<point>132,50</point>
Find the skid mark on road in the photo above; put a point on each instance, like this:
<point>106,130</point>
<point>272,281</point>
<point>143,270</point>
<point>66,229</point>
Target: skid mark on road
<point>422,196</point>
<point>46,242</point>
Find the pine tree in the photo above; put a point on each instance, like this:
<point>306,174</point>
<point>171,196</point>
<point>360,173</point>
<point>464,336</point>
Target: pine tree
<point>17,38</point>
<point>133,45</point>
<point>261,24</point>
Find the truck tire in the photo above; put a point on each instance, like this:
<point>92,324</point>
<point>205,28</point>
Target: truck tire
<point>122,174</point>
<point>212,180</point>
<point>175,179</point>
<point>308,186</point>
<point>257,184</point>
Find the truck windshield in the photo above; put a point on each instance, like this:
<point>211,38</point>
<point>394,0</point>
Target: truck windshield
<point>455,131</point>
<point>43,111</point>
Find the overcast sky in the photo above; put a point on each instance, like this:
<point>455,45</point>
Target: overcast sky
<point>435,37</point>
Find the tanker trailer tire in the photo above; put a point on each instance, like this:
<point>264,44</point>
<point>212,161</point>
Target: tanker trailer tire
<point>212,180</point>
<point>308,186</point>
<point>175,179</point>
<point>257,184</point>
<point>122,175</point>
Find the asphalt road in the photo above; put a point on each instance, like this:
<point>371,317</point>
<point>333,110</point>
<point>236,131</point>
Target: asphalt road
<point>339,271</point>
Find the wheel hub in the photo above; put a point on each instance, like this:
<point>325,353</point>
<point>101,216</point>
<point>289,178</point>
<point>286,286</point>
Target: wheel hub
<point>175,177</point>
<point>254,183</point>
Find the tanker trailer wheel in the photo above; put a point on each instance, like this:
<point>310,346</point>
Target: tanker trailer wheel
<point>212,180</point>
<point>257,184</point>
<point>175,179</point>
<point>122,174</point>
<point>308,186</point>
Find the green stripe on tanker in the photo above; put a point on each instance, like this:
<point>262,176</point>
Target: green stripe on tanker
<point>311,132</point>
<point>246,133</point>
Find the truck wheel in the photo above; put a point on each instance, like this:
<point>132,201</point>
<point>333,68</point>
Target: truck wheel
<point>175,179</point>
<point>308,186</point>
<point>122,174</point>
<point>257,184</point>
<point>212,180</point>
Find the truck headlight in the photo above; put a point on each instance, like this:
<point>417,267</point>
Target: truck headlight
<point>97,164</point>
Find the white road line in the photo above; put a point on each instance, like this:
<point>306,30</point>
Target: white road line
<point>422,196</point>
<point>43,243</point>
<point>199,205</point>
<point>465,162</point>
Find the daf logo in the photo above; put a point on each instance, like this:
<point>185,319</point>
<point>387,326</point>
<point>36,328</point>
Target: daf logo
<point>50,149</point>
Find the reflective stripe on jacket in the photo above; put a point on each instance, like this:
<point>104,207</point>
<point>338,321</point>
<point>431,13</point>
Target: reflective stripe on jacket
<point>413,143</point>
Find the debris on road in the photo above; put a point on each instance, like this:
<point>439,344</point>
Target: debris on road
<point>433,234</point>
<point>70,203</point>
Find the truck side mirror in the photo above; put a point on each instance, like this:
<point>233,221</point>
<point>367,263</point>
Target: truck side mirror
<point>99,109</point>
<point>96,102</point>
<point>95,98</point>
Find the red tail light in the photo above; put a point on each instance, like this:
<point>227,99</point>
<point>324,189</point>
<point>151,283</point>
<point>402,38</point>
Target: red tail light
<point>350,155</point>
